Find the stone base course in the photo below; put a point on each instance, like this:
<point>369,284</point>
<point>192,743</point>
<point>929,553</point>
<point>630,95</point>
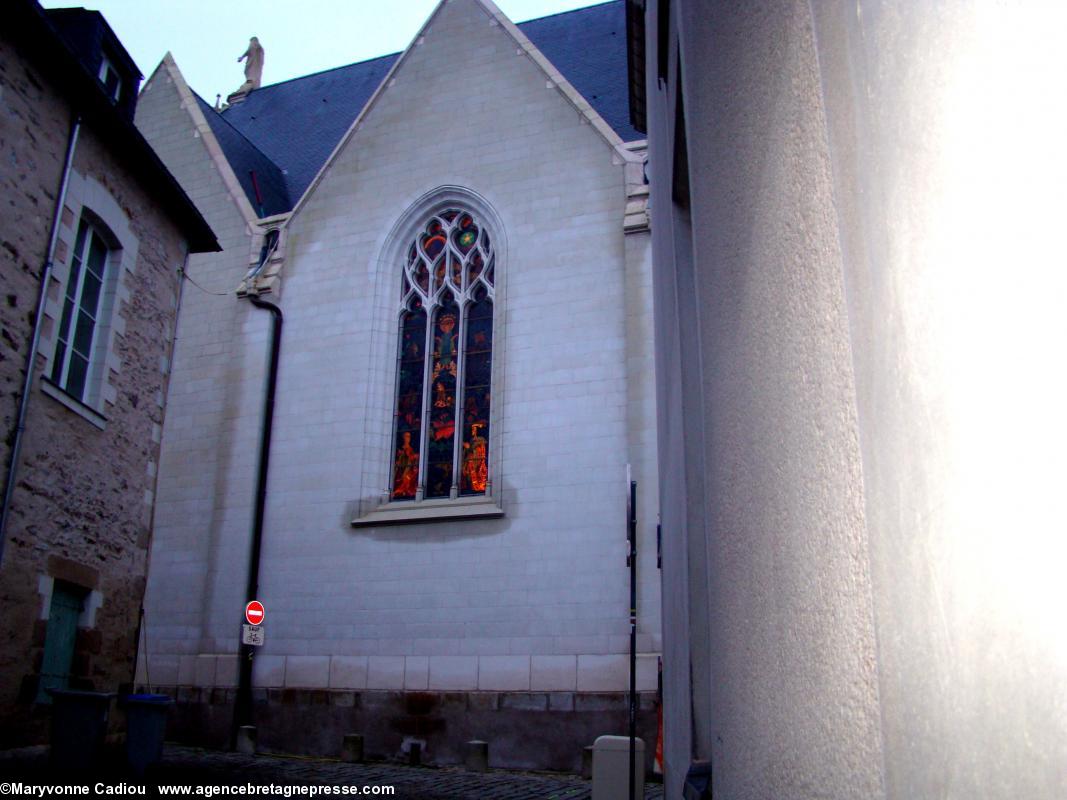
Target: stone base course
<point>525,730</point>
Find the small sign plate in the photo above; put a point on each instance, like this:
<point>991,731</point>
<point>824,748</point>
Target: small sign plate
<point>252,634</point>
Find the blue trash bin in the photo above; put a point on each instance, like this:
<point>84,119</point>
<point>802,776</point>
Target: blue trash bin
<point>79,727</point>
<point>146,724</point>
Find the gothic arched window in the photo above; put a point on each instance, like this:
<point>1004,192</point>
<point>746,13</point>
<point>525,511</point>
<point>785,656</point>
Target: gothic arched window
<point>444,364</point>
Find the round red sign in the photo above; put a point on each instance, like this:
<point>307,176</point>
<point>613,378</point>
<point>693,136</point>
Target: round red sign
<point>254,613</point>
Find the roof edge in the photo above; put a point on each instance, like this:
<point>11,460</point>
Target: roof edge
<point>230,126</point>
<point>572,95</point>
<point>371,101</point>
<point>612,139</point>
<point>38,41</point>
<point>222,164</point>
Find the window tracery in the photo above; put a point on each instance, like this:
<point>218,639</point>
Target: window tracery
<point>444,363</point>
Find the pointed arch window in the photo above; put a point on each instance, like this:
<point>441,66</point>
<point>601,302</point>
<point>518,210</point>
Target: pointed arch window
<point>444,364</point>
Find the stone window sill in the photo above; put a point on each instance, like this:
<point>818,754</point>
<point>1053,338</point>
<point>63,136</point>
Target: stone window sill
<point>444,510</point>
<point>71,402</point>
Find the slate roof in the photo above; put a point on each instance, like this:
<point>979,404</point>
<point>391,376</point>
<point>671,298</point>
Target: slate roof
<point>297,124</point>
<point>285,132</point>
<point>247,159</point>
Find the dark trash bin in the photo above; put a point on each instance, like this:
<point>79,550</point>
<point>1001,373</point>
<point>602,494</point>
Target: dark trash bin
<point>79,726</point>
<point>146,723</point>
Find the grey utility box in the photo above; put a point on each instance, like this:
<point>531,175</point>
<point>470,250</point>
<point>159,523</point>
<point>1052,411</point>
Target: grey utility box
<point>611,765</point>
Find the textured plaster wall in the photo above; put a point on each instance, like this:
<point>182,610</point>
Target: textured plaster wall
<point>81,510</point>
<point>794,690</point>
<point>946,138</point>
<point>534,601</point>
<point>771,539</point>
<point>874,213</point>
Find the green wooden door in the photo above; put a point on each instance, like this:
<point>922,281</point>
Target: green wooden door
<point>59,637</point>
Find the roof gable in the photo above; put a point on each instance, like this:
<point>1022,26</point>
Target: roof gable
<point>298,123</point>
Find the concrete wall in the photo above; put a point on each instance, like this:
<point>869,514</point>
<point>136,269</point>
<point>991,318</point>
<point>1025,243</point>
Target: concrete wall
<point>81,509</point>
<point>535,601</point>
<point>874,265</point>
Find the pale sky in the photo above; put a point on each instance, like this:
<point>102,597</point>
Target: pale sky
<point>206,36</point>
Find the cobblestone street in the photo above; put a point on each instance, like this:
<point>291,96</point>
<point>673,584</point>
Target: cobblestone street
<point>194,766</point>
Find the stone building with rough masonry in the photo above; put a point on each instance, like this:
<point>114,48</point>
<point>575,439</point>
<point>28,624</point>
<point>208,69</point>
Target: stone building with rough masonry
<point>93,237</point>
<point>457,237</point>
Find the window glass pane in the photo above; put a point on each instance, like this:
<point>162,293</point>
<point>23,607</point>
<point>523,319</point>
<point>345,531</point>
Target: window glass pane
<point>465,234</point>
<point>474,267</point>
<point>57,362</point>
<point>64,324</point>
<point>407,437</point>
<point>111,84</point>
<point>439,272</point>
<point>97,256</point>
<point>474,470</point>
<point>477,370</point>
<point>90,293</point>
<point>434,240</point>
<point>442,397</point>
<point>79,368</point>
<point>457,271</point>
<point>422,276</point>
<point>83,334</point>
<point>76,260</point>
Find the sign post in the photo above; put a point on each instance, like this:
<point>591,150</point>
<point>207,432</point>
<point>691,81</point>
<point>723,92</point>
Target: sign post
<point>631,562</point>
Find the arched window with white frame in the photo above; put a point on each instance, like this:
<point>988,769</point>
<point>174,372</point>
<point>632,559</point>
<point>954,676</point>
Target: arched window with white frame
<point>444,361</point>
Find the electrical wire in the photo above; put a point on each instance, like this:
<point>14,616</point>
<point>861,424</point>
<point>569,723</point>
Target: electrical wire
<point>189,278</point>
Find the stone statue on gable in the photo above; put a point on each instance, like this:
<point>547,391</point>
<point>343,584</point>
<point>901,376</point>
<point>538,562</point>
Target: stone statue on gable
<point>253,58</point>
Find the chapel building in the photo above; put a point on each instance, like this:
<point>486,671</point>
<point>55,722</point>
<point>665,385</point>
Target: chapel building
<point>457,238</point>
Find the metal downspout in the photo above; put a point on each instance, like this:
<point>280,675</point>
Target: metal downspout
<point>243,705</point>
<point>31,356</point>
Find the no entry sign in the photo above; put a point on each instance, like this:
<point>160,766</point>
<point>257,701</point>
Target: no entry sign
<point>254,613</point>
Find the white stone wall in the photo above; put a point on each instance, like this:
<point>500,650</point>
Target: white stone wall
<point>210,438</point>
<point>536,600</point>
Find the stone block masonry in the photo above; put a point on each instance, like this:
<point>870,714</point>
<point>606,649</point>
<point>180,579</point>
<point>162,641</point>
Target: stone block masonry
<point>81,510</point>
<point>525,730</point>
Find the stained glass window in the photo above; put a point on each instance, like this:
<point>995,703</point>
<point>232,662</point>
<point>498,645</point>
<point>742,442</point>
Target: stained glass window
<point>444,364</point>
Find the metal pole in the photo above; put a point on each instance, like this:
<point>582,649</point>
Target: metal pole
<point>631,534</point>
